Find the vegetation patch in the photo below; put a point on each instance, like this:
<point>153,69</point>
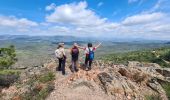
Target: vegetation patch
<point>160,56</point>
<point>7,57</point>
<point>166,87</point>
<point>152,97</point>
<point>39,86</point>
<point>47,77</point>
<point>10,72</point>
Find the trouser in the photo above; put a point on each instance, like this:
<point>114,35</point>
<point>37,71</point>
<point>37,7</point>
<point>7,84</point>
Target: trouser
<point>61,65</point>
<point>74,65</point>
<point>88,62</point>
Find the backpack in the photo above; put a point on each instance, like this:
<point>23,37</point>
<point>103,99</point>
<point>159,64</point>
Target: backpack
<point>91,54</point>
<point>58,54</point>
<point>75,52</point>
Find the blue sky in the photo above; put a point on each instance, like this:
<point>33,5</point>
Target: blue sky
<point>147,19</point>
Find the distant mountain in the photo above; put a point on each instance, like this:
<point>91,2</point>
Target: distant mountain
<point>56,39</point>
<point>167,43</point>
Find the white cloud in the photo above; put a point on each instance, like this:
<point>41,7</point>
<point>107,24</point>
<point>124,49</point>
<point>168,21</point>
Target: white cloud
<point>78,20</point>
<point>50,7</point>
<point>160,5</point>
<point>143,18</point>
<point>132,1</point>
<point>136,1</point>
<point>75,14</point>
<point>15,22</point>
<point>100,4</point>
<point>13,25</point>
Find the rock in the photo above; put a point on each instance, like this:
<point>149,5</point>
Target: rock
<point>142,64</point>
<point>110,85</point>
<point>164,71</point>
<point>158,88</point>
<point>134,64</point>
<point>125,72</point>
<point>105,78</point>
<point>81,82</point>
<point>154,65</point>
<point>22,67</point>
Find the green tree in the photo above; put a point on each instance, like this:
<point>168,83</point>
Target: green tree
<point>7,57</point>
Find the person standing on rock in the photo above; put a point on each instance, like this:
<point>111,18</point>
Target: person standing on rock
<point>89,53</point>
<point>60,54</point>
<point>74,57</point>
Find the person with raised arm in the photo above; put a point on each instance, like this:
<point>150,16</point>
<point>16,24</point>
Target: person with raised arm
<point>89,53</point>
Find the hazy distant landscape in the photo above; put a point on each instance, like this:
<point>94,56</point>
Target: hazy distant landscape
<point>36,50</point>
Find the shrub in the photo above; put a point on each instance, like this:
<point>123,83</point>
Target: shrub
<point>10,72</point>
<point>166,56</point>
<point>47,77</point>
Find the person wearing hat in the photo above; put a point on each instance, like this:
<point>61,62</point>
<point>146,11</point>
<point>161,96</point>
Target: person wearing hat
<point>60,54</point>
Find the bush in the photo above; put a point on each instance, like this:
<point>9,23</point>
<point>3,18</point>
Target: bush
<point>166,56</point>
<point>47,77</point>
<point>10,72</point>
<point>7,77</point>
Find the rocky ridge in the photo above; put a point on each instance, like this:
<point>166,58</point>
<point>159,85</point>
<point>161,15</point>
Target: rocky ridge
<point>109,81</point>
<point>106,81</point>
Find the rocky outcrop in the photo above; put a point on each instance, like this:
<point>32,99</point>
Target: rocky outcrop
<point>106,81</point>
<point>158,88</point>
<point>164,71</point>
<point>111,82</point>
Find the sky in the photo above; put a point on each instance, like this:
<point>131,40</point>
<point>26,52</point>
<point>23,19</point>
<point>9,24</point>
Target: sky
<point>126,19</point>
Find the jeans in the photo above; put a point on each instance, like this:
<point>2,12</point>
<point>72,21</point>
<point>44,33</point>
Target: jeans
<point>61,66</point>
<point>88,62</point>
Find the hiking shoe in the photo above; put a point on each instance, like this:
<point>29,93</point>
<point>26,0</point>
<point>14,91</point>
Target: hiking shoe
<point>89,68</point>
<point>58,69</point>
<point>76,70</point>
<point>72,70</point>
<point>64,74</point>
<point>86,69</point>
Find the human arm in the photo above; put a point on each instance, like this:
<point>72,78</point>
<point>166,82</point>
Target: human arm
<point>98,45</point>
<point>80,47</point>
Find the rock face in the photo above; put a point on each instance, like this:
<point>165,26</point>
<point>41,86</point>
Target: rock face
<point>110,82</point>
<point>164,71</point>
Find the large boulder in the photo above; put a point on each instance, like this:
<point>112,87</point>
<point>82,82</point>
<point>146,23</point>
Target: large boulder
<point>106,81</point>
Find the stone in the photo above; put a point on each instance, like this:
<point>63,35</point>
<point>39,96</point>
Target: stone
<point>134,64</point>
<point>164,71</point>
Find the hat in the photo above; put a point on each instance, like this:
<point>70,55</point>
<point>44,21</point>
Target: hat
<point>61,43</point>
